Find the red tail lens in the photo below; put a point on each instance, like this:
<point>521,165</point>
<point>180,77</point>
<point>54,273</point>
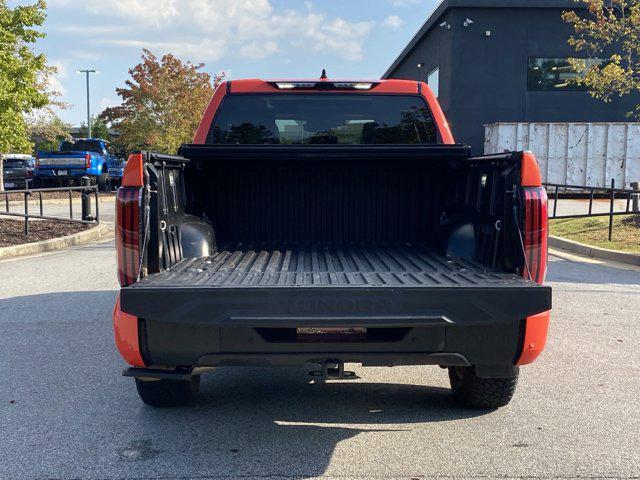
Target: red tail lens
<point>530,171</point>
<point>37,161</point>
<point>128,234</point>
<point>536,233</point>
<point>133,175</point>
<point>87,161</point>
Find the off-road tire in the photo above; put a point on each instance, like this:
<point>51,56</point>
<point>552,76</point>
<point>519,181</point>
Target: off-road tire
<point>168,393</point>
<point>104,183</point>
<point>472,391</point>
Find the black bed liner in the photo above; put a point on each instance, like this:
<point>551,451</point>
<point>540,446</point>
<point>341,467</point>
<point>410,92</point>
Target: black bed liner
<point>349,284</point>
<point>213,153</point>
<point>250,265</point>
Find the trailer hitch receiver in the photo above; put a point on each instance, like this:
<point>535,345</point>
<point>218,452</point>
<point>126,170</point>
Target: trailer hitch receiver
<point>332,370</point>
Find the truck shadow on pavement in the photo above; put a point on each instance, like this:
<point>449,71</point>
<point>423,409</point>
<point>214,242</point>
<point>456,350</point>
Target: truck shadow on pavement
<point>275,422</point>
<point>246,421</point>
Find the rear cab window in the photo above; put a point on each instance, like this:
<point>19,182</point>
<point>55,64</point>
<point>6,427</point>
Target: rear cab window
<point>16,163</point>
<point>331,119</point>
<point>82,146</point>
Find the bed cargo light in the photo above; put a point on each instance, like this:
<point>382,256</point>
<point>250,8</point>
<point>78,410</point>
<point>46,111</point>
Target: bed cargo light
<point>324,85</point>
<point>355,86</point>
<point>291,86</point>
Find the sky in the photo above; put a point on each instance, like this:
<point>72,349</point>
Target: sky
<point>355,39</point>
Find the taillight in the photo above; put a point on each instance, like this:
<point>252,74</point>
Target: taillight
<point>128,234</point>
<point>536,220</point>
<point>87,161</point>
<point>37,161</point>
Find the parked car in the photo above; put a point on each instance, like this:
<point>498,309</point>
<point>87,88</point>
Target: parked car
<point>322,222</point>
<point>77,158</point>
<point>18,171</point>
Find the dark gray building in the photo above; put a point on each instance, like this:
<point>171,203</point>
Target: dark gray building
<point>501,61</point>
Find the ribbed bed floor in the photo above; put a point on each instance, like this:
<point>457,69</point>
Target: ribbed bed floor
<point>255,265</point>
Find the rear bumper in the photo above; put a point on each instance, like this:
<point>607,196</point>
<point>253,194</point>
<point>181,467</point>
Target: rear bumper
<point>17,183</point>
<point>450,327</point>
<point>192,344</point>
<point>70,172</point>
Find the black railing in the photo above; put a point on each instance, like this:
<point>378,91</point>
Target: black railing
<point>632,197</point>
<point>86,217</point>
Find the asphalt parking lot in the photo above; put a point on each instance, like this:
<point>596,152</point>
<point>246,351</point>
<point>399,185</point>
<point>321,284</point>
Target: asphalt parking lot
<point>66,413</point>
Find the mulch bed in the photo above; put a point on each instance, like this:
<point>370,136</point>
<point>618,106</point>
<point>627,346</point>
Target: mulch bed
<point>632,221</point>
<point>12,231</point>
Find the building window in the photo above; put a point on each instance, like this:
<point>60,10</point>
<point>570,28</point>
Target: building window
<point>547,74</point>
<point>433,80</point>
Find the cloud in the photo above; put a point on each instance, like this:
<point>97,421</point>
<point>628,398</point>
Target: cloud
<point>107,102</point>
<point>84,55</point>
<point>255,50</point>
<point>54,81</point>
<point>89,30</point>
<point>201,50</point>
<point>207,30</point>
<point>145,12</point>
<point>392,22</point>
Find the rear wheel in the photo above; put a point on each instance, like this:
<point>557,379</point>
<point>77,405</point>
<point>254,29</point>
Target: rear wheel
<point>104,185</point>
<point>168,393</point>
<point>475,392</point>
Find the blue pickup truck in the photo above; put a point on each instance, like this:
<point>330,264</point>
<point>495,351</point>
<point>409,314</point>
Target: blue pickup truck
<point>77,158</point>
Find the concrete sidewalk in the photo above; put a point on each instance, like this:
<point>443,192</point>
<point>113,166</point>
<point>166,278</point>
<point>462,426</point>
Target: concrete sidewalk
<point>581,207</point>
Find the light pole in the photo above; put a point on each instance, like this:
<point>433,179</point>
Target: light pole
<point>87,72</point>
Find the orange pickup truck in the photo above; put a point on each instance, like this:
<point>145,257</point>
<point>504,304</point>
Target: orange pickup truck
<point>328,222</point>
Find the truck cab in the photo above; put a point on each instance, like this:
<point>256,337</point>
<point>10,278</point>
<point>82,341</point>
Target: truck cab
<point>330,222</point>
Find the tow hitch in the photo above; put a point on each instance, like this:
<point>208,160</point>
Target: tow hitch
<point>332,370</point>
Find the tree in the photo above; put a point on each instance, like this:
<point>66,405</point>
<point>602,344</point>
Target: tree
<point>47,130</point>
<point>162,104</point>
<point>21,75</point>
<point>611,25</point>
<point>218,78</point>
<point>99,128</point>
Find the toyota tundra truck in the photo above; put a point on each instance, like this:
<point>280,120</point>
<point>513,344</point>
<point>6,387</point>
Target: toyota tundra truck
<point>323,223</point>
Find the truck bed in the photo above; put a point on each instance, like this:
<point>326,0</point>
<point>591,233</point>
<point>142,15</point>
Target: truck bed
<point>356,284</point>
<point>249,265</point>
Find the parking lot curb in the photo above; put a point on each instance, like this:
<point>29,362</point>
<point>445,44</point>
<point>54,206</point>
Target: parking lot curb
<point>594,252</point>
<point>52,244</point>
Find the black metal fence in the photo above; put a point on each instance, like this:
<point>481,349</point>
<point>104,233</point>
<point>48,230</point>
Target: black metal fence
<point>632,197</point>
<point>86,216</point>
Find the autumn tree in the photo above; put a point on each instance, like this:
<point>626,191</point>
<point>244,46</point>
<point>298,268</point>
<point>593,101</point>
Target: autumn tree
<point>46,129</point>
<point>99,128</point>
<point>22,73</point>
<point>607,26</point>
<point>162,104</point>
<point>218,78</point>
